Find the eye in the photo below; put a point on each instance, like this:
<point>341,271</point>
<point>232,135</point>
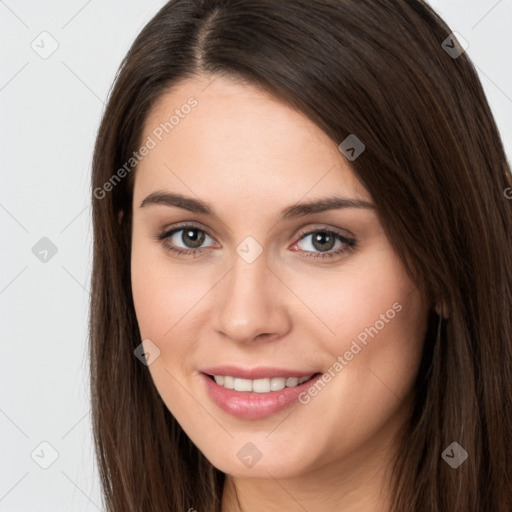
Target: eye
<point>323,243</point>
<point>185,240</point>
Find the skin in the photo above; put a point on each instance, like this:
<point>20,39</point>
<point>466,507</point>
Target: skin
<point>250,156</point>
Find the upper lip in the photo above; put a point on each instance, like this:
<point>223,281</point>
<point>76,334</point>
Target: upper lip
<point>261,372</point>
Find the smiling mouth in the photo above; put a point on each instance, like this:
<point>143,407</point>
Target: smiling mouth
<point>265,385</point>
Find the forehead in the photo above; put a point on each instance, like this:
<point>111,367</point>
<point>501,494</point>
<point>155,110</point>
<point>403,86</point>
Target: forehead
<point>237,137</point>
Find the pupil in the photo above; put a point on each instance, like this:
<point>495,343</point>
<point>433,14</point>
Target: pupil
<point>323,241</point>
<point>193,238</point>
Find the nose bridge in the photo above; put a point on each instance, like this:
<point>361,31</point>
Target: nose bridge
<point>249,303</point>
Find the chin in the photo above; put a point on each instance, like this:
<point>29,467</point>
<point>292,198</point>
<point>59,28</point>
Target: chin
<point>250,462</point>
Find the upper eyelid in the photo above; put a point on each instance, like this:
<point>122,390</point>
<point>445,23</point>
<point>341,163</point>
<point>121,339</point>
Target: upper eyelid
<point>168,230</point>
<point>336,231</point>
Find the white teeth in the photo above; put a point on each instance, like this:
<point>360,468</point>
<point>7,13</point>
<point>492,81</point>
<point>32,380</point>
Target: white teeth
<point>277,383</point>
<point>292,381</point>
<point>229,382</point>
<point>259,385</point>
<point>243,384</point>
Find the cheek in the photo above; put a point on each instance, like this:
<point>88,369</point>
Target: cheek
<point>379,318</point>
<point>377,322</point>
<point>163,293</point>
<point>169,300</point>
<point>164,296</point>
<point>371,333</point>
<point>368,299</point>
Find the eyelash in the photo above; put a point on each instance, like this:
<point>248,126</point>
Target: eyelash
<point>350,243</point>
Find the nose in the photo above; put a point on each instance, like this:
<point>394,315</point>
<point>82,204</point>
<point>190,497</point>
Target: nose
<point>251,303</point>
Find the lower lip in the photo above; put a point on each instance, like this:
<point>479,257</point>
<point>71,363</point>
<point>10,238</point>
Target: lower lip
<point>250,405</point>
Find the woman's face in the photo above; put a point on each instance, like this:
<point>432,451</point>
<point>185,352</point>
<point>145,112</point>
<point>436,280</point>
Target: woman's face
<point>269,290</point>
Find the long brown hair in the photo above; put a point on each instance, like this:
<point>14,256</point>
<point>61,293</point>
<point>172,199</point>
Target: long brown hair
<point>435,167</point>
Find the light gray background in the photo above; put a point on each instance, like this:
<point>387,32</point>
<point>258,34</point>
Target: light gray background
<point>50,111</point>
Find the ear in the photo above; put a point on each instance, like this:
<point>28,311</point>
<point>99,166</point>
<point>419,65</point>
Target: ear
<point>442,309</point>
<point>120,216</point>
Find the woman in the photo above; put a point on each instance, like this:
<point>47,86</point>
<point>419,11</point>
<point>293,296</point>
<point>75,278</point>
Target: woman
<point>302,289</point>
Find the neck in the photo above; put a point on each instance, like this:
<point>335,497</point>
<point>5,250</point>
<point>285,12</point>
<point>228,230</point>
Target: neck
<point>310,492</point>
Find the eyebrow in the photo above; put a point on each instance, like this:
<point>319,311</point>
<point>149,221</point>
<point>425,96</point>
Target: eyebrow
<point>293,211</point>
